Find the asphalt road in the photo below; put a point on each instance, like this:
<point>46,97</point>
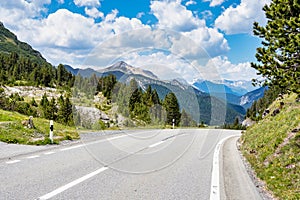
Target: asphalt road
<point>146,164</point>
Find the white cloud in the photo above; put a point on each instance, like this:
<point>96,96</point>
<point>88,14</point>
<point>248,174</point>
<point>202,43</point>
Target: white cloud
<point>201,42</point>
<point>207,14</point>
<point>140,14</point>
<point>240,19</point>
<point>66,37</point>
<point>91,3</point>
<point>62,29</point>
<point>190,2</point>
<point>173,15</point>
<point>214,3</point>
<point>13,11</point>
<point>228,70</point>
<point>112,16</point>
<point>93,12</point>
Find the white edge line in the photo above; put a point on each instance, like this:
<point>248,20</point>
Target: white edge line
<point>12,161</point>
<point>156,144</point>
<point>72,184</point>
<point>215,174</point>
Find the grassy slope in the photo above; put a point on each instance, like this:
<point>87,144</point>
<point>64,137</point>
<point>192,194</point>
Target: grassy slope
<point>12,130</point>
<point>276,161</point>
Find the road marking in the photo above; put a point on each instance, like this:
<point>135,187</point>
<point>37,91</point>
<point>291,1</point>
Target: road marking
<point>72,147</point>
<point>12,161</point>
<point>95,142</point>
<point>72,184</point>
<point>113,138</point>
<point>49,153</point>
<point>215,174</point>
<point>31,157</point>
<point>156,144</point>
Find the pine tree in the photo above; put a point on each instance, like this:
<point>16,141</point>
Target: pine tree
<point>172,108</point>
<point>44,101</point>
<point>155,97</point>
<point>33,102</point>
<point>52,109</point>
<point>65,111</point>
<point>279,58</point>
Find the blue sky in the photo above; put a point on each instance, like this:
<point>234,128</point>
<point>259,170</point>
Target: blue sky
<point>189,39</point>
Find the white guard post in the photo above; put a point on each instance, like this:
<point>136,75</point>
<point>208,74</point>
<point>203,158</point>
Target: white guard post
<point>173,123</point>
<point>51,131</point>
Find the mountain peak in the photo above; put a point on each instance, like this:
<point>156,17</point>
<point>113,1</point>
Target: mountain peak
<point>128,69</point>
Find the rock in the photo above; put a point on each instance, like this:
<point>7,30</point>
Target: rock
<point>248,122</point>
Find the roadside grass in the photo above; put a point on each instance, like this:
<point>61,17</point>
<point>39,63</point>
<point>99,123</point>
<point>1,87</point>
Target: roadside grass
<point>12,130</point>
<point>274,157</point>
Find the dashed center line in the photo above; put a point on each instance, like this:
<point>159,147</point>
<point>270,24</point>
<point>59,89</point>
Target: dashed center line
<point>49,153</point>
<point>72,184</point>
<point>12,161</point>
<point>156,144</point>
<point>72,147</point>
<point>31,157</point>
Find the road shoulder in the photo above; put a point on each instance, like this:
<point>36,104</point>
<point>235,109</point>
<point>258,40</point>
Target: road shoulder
<point>234,179</point>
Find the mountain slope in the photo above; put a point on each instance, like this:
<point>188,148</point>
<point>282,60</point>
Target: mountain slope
<point>21,65</point>
<point>10,43</point>
<point>247,100</point>
<point>272,147</point>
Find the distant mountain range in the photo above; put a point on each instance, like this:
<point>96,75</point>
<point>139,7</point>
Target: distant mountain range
<point>231,97</point>
<point>237,88</point>
<point>241,93</point>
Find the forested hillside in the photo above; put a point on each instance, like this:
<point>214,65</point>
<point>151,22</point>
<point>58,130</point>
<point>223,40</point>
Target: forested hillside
<point>20,64</point>
<point>9,43</point>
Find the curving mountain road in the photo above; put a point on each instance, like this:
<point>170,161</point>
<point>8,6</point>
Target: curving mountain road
<point>146,164</point>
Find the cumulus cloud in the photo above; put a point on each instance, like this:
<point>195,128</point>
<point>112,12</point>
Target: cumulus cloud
<point>179,45</point>
<point>240,19</point>
<point>17,10</point>
<point>91,3</point>
<point>209,39</point>
<point>93,12</point>
<point>68,37</point>
<point>227,70</point>
<point>173,15</point>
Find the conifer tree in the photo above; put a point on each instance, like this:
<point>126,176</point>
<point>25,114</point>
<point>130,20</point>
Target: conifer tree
<point>279,57</point>
<point>172,108</point>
